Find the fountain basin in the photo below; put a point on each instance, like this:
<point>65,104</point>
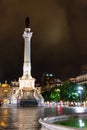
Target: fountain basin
<point>49,122</point>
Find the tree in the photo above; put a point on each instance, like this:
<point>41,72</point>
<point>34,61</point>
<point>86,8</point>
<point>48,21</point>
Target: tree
<point>68,91</point>
<point>55,94</point>
<point>52,94</point>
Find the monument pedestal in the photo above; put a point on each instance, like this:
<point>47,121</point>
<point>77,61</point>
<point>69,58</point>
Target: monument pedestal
<point>28,98</point>
<point>27,91</point>
<point>28,102</point>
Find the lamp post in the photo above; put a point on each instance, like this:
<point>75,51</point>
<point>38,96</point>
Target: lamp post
<point>79,92</point>
<point>80,89</point>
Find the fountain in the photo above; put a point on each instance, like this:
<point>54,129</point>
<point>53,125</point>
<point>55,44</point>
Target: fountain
<point>55,123</point>
<point>74,121</point>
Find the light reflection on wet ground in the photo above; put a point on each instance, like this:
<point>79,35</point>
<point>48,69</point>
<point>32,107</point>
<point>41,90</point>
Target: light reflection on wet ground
<point>18,118</point>
<point>26,118</point>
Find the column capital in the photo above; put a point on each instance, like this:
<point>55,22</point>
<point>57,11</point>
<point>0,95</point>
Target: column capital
<point>27,33</point>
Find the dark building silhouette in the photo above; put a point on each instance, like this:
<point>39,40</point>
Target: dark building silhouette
<point>84,69</point>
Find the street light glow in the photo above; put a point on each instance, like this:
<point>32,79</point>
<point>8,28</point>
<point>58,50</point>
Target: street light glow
<point>80,88</point>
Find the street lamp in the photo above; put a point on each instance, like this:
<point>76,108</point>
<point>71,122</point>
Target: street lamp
<point>80,89</point>
<point>79,92</point>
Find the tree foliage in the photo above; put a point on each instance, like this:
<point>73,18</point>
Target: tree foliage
<point>52,94</point>
<point>68,91</point>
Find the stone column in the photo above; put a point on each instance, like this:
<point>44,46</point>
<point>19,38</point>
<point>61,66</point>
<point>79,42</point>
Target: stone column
<point>27,53</point>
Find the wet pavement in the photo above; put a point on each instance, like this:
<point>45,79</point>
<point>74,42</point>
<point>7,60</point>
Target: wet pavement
<point>18,118</point>
<point>26,118</point>
<point>23,118</point>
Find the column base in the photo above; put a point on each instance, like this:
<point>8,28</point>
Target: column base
<point>28,99</point>
<point>28,102</point>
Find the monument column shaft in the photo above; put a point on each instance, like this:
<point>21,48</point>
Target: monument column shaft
<point>27,54</point>
<point>26,82</point>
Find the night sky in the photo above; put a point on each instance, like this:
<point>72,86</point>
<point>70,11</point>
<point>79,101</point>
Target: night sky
<point>59,41</point>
